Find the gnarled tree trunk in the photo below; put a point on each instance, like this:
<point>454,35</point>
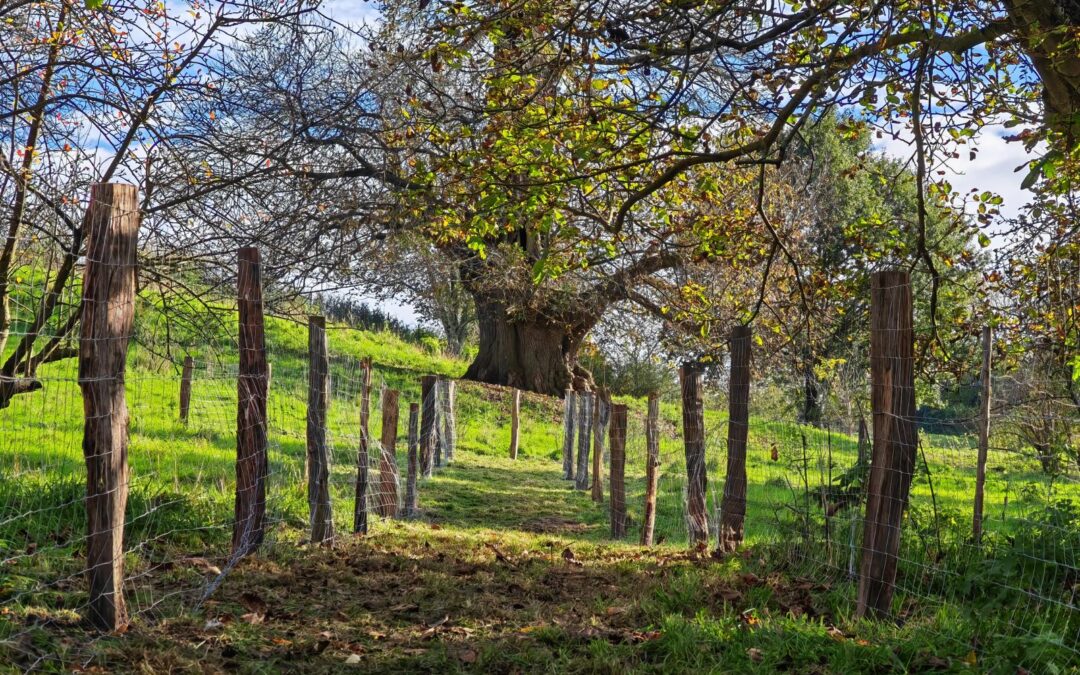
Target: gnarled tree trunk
<point>536,353</point>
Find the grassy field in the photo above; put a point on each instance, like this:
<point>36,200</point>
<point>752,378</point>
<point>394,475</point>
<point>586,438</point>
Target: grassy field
<point>507,568</point>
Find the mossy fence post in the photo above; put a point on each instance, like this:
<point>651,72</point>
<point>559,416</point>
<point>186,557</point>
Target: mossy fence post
<point>107,322</point>
<point>251,431</point>
<point>892,397</point>
<point>733,503</point>
<point>693,409</point>
<point>319,508</point>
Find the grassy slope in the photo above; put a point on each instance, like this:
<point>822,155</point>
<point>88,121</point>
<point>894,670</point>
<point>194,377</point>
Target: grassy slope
<point>381,597</point>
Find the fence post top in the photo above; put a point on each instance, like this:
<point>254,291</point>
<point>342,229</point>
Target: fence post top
<point>317,320</point>
<point>742,331</point>
<point>891,277</point>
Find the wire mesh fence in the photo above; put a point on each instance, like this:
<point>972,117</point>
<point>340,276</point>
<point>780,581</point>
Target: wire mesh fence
<point>348,445</point>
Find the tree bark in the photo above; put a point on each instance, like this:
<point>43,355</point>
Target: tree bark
<point>531,355</point>
<point>733,504</point>
<point>652,469</point>
<point>892,374</point>
<point>694,444</point>
<point>108,318</point>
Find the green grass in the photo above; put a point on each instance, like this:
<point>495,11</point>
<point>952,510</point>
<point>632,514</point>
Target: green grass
<point>784,605</point>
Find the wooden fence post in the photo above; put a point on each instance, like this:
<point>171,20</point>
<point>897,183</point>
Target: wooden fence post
<point>108,316</point>
<point>440,443</point>
<point>581,480</point>
<point>449,419</point>
<point>601,410</point>
<point>185,388</point>
<point>319,509</point>
<point>733,504</point>
<point>568,435</point>
<point>388,472</point>
<point>892,375</point>
<point>427,425</point>
<point>618,471</point>
<point>985,395</point>
<point>363,457</point>
<point>251,431</point>
<point>652,468</point>
<point>412,499</point>
<point>515,422</point>
<point>694,443</point>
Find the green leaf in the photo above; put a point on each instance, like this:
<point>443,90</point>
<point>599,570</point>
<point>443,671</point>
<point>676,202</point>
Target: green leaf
<point>984,240</point>
<point>94,4</point>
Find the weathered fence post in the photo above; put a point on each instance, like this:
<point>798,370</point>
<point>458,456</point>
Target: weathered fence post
<point>568,435</point>
<point>863,457</point>
<point>618,471</point>
<point>515,422</point>
<point>440,443</point>
<point>694,443</point>
<point>449,419</point>
<point>601,410</point>
<point>892,374</point>
<point>581,481</point>
<point>652,469</point>
<point>251,431</point>
<point>363,456</point>
<point>388,472</point>
<point>985,395</point>
<point>412,499</point>
<point>185,388</point>
<point>108,316</point>
<point>427,425</point>
<point>733,504</point>
<point>319,509</point>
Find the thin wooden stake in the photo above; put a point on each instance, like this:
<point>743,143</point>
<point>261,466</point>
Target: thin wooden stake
<point>652,468</point>
<point>515,422</point>
<point>108,317</point>
<point>601,410</point>
<point>581,479</point>
<point>733,504</point>
<point>363,456</point>
<point>569,418</point>
<point>694,444</point>
<point>618,471</point>
<point>185,388</point>
<point>427,425</point>
<point>251,431</point>
<point>319,508</point>
<point>449,419</point>
<point>985,397</point>
<point>412,498</point>
<point>388,471</point>
<point>892,375</point>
